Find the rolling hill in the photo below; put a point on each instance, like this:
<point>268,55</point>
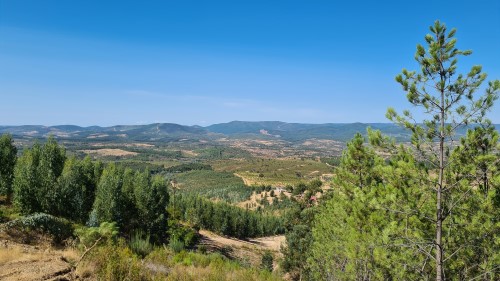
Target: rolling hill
<point>165,132</point>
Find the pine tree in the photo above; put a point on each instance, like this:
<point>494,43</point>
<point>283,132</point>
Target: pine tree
<point>424,211</point>
<point>450,101</point>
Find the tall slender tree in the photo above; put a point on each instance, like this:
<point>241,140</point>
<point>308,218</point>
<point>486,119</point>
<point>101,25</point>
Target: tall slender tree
<point>450,100</point>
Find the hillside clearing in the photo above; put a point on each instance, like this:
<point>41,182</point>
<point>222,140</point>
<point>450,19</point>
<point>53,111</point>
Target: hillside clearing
<point>250,250</point>
<point>110,152</point>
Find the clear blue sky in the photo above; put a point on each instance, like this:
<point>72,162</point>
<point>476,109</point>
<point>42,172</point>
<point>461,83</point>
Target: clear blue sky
<point>203,62</point>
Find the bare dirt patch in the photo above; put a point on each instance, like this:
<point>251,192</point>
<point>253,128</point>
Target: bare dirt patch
<point>246,181</point>
<point>189,153</point>
<point>136,144</point>
<point>272,243</point>
<point>246,250</point>
<point>110,152</point>
<point>95,136</point>
<point>24,262</point>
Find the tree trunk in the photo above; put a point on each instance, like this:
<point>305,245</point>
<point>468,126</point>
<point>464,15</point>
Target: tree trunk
<point>439,224</point>
<point>439,210</point>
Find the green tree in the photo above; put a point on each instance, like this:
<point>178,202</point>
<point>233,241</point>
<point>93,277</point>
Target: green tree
<point>50,167</point>
<point>429,210</point>
<point>368,229</point>
<point>449,99</point>
<point>299,239</point>
<point>474,158</point>
<point>35,178</point>
<point>151,201</point>
<point>110,202</point>
<point>75,190</point>
<point>26,183</point>
<point>128,191</point>
<point>8,157</point>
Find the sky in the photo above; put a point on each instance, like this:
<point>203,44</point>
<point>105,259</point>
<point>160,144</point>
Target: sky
<point>203,62</point>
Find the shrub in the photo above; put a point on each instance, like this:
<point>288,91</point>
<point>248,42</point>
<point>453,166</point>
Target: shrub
<point>139,244</point>
<point>176,245</point>
<point>267,261</point>
<point>88,236</point>
<point>185,234</point>
<point>59,229</point>
<point>117,262</point>
<point>202,249</point>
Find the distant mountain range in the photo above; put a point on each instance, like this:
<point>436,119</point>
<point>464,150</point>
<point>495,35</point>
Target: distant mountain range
<point>298,131</point>
<point>236,129</point>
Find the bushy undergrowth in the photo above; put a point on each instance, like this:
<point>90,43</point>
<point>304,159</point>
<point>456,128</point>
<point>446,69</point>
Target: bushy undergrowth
<point>139,244</point>
<point>176,244</point>
<point>88,236</point>
<point>195,266</point>
<point>267,261</point>
<point>27,227</point>
<point>116,261</point>
<point>188,236</point>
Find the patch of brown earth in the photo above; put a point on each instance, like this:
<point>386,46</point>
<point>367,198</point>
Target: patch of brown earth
<point>19,262</point>
<point>246,250</point>
<point>110,152</point>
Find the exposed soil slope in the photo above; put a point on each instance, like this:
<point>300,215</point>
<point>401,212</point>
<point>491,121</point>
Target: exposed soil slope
<point>19,262</point>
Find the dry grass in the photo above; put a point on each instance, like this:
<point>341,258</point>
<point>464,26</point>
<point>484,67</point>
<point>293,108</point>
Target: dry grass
<point>94,136</point>
<point>86,270</point>
<point>70,254</point>
<point>215,273</point>
<point>189,153</point>
<point>12,255</point>
<point>110,152</point>
<point>27,262</point>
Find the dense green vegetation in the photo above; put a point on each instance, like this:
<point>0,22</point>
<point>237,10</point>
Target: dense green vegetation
<point>220,152</point>
<point>134,200</point>
<point>45,180</point>
<point>186,167</point>
<point>274,171</point>
<point>115,261</point>
<point>224,218</point>
<point>87,192</point>
<point>215,185</point>
<point>423,211</point>
<point>26,228</point>
<point>7,163</point>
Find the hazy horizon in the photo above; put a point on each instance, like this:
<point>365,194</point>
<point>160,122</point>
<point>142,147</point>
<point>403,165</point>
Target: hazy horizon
<point>203,126</point>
